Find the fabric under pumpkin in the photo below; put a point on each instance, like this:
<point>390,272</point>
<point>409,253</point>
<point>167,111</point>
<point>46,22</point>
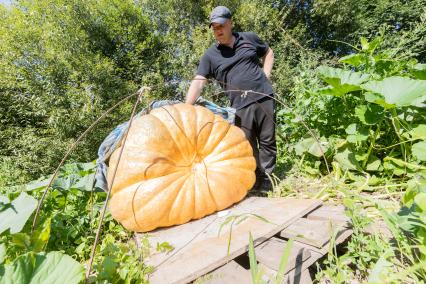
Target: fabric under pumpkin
<point>180,162</point>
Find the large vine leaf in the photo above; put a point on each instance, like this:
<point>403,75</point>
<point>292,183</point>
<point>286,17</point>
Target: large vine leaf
<point>419,150</point>
<point>418,132</point>
<point>53,267</point>
<point>346,158</point>
<point>355,59</point>
<point>79,176</point>
<point>342,81</point>
<point>15,214</point>
<point>356,134</point>
<point>399,91</point>
<point>369,114</point>
<point>311,146</point>
<point>372,45</point>
<point>377,99</point>
<point>2,252</point>
<point>419,71</point>
<point>373,164</point>
<point>420,200</point>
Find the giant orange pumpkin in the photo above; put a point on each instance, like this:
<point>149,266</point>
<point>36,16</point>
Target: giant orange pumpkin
<point>180,162</point>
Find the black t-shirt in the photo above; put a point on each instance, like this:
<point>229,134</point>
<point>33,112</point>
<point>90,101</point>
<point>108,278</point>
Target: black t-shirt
<point>238,68</point>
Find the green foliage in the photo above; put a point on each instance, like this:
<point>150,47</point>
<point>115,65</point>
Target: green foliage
<point>80,176</point>
<point>121,263</point>
<point>373,257</point>
<point>42,268</point>
<point>14,215</point>
<point>379,107</point>
<point>69,219</point>
<point>56,83</point>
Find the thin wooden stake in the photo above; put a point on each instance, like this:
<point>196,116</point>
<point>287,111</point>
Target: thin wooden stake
<point>98,232</point>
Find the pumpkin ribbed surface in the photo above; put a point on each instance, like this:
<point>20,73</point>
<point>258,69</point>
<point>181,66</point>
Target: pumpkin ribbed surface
<point>180,162</point>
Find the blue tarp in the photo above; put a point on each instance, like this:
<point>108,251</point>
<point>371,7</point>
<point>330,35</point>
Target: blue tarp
<point>113,140</point>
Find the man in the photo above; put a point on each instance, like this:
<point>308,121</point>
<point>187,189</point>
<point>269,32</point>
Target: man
<point>234,62</point>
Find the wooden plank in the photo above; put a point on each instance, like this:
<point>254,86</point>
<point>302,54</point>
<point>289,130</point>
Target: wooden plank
<point>340,237</point>
<point>312,232</point>
<point>199,249</point>
<point>305,277</point>
<point>294,276</point>
<point>230,273</point>
<point>335,213</point>
<point>269,253</point>
<point>235,273</point>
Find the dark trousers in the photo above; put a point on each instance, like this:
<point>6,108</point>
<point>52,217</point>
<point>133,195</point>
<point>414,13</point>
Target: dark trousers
<point>257,120</point>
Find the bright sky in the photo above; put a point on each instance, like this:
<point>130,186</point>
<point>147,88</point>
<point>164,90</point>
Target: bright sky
<point>7,2</point>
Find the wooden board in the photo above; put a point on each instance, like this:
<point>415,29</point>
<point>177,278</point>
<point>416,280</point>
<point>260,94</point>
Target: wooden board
<point>335,213</point>
<point>269,253</point>
<point>312,232</point>
<point>295,276</point>
<point>340,237</point>
<point>230,273</point>
<point>199,249</point>
<point>305,277</point>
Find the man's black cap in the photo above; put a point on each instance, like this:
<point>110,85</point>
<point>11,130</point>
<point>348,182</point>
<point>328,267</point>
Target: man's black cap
<point>219,15</point>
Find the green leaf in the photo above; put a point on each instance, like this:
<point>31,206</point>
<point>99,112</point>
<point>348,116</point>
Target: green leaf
<point>356,133</point>
<point>15,216</point>
<point>311,146</point>
<point>370,114</point>
<point>414,186</point>
<point>373,164</point>
<point>2,252</point>
<point>252,259</point>
<point>420,200</point>
<point>331,91</point>
<point>346,158</point>
<point>354,59</point>
<point>40,237</point>
<point>37,184</point>
<point>372,45</point>
<point>284,261</point>
<point>419,150</point>
<point>109,268</point>
<point>400,167</point>
<point>21,240</point>
<point>364,43</point>
<point>79,176</point>
<point>399,91</point>
<point>351,129</point>
<point>377,99</point>
<point>380,269</point>
<point>408,197</point>
<point>342,81</point>
<point>419,71</point>
<point>53,267</point>
<point>418,132</point>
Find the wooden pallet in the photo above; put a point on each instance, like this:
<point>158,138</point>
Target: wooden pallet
<point>199,250</point>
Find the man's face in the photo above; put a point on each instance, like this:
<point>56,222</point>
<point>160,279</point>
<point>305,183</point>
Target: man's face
<point>222,33</point>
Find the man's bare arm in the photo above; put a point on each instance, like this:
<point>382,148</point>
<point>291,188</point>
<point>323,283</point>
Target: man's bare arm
<point>195,89</point>
<point>268,62</point>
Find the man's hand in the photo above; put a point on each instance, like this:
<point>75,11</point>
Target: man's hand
<point>195,89</point>
<point>268,62</point>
